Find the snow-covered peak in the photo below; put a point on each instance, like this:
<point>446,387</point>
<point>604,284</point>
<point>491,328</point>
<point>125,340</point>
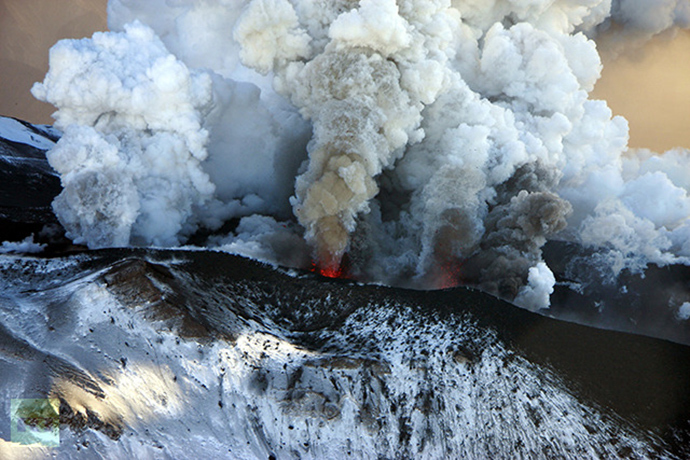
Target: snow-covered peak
<point>42,137</point>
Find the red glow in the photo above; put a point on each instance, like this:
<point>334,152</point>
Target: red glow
<point>449,274</point>
<point>333,269</point>
<point>331,272</point>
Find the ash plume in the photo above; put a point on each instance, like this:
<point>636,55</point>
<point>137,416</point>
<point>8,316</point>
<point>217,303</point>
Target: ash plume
<point>415,143</point>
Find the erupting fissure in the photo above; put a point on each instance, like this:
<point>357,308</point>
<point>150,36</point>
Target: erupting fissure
<point>329,271</point>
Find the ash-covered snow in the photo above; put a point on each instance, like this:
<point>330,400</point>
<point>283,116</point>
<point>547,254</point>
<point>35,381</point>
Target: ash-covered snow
<point>151,355</point>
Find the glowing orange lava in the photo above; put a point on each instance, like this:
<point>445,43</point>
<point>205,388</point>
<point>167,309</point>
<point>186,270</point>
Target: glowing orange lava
<point>332,270</point>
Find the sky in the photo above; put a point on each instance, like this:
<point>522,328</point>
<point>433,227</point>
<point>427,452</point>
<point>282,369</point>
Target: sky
<point>649,86</point>
<point>28,28</point>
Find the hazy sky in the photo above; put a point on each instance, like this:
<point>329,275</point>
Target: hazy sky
<point>650,87</point>
<point>28,28</point>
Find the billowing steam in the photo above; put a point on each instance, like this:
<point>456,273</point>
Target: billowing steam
<point>133,143</point>
<point>415,142</point>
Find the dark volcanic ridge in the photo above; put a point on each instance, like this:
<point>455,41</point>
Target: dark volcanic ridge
<point>617,394</point>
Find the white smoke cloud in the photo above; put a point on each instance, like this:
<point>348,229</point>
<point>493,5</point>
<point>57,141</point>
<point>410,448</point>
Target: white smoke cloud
<point>139,126</point>
<point>447,140</point>
<point>535,294</point>
<point>130,159</point>
<point>375,25</point>
<point>271,35</point>
<point>684,311</point>
<point>263,238</point>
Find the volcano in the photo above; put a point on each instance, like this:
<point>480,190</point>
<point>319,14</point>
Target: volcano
<point>153,352</point>
<point>344,229</point>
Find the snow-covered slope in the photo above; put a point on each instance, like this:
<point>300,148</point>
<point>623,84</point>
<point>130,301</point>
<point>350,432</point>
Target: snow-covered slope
<point>27,182</point>
<point>167,354</point>
<point>41,137</point>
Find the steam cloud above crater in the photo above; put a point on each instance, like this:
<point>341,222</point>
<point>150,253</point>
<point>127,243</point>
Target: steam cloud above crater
<point>413,142</point>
